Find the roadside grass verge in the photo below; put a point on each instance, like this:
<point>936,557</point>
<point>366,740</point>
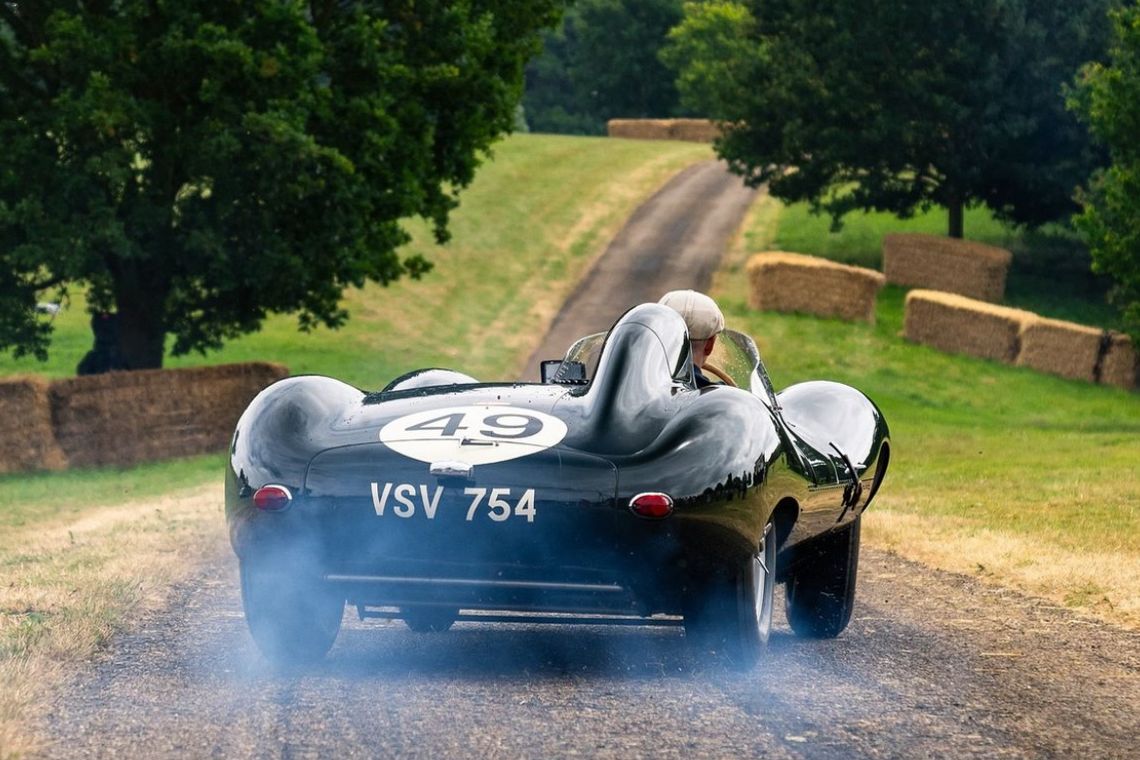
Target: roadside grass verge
<point>69,582</point>
<point>1019,478</point>
<point>82,552</point>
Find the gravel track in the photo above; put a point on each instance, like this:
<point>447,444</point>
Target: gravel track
<point>674,240</point>
<point>932,665</point>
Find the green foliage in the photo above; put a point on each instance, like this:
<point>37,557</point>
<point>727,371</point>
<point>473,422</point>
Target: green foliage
<point>1108,97</point>
<point>199,165</point>
<point>712,51</point>
<point>909,104</point>
<point>602,64</point>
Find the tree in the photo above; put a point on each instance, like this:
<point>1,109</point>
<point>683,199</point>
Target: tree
<point>603,64</point>
<point>893,106</point>
<point>196,165</point>
<point>552,101</point>
<point>1108,97</point>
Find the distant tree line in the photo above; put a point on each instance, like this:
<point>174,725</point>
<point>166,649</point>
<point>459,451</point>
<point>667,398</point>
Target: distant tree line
<point>901,105</point>
<point>602,63</point>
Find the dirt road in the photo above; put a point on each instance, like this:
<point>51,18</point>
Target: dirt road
<point>674,240</point>
<point>933,664</point>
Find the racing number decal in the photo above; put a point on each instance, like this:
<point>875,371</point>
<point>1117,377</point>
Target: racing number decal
<point>473,434</point>
<point>494,426</point>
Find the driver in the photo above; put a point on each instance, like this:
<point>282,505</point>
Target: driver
<point>703,319</point>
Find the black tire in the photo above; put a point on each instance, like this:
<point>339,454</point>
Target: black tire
<point>731,614</point>
<point>293,621</point>
<point>821,589</point>
<point>429,619</point>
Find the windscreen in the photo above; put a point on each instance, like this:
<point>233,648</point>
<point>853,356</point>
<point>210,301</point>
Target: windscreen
<point>587,351</point>
<point>737,355</point>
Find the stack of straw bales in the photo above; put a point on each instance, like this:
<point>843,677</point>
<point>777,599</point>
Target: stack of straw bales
<point>690,130</point>
<point>964,267</point>
<point>1120,365</point>
<point>961,325</point>
<point>122,418</point>
<point>782,281</point>
<point>1061,348</point>
<point>26,438</point>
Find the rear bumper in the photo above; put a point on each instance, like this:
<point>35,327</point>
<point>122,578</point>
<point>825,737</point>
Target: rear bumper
<point>512,589</point>
<point>577,559</point>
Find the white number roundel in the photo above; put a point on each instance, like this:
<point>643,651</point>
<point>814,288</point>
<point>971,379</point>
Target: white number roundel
<point>481,434</point>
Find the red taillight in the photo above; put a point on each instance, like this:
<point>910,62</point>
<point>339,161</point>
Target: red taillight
<point>272,498</point>
<point>652,505</point>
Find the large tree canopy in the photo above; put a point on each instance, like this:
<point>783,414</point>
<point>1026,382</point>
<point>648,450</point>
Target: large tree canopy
<point>602,63</point>
<point>1108,96</point>
<point>900,104</point>
<point>201,163</point>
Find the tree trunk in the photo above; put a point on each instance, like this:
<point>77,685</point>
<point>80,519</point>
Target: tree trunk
<point>955,206</point>
<point>140,295</point>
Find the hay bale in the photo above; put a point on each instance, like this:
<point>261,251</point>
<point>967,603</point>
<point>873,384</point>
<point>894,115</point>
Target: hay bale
<point>965,267</point>
<point>122,418</point>
<point>961,325</point>
<point>794,282</point>
<point>1060,348</point>
<point>26,439</point>
<point>638,129</point>
<point>1120,365</point>
<point>694,130</point>
<point>691,130</point>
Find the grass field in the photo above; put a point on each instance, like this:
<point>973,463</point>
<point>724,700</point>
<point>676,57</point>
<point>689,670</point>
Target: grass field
<point>997,471</point>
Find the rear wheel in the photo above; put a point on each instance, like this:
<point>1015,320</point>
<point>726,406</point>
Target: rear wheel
<point>821,590</point>
<point>733,613</point>
<point>293,620</point>
<point>429,619</point>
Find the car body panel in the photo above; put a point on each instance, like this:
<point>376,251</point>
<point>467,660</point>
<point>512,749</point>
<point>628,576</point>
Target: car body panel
<point>515,496</point>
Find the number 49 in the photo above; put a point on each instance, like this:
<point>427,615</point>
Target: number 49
<point>500,508</point>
